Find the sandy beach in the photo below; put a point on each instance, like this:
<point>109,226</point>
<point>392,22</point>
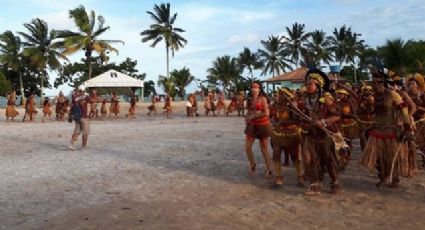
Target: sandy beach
<point>176,173</point>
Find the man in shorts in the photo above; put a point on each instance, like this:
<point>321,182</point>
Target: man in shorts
<point>79,113</point>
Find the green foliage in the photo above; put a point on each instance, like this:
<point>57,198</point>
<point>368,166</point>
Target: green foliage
<point>167,83</point>
<point>225,70</point>
<point>75,74</point>
<point>5,85</point>
<point>87,37</point>
<point>181,79</point>
<point>149,88</point>
<point>273,56</point>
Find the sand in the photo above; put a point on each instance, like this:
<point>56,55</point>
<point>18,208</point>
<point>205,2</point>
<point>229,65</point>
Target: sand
<point>177,173</point>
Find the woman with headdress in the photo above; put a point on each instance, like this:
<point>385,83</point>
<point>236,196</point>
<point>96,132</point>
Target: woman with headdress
<point>11,111</point>
<point>191,106</point>
<point>385,149</point>
<point>322,141</point>
<point>258,127</point>
<point>365,112</point>
<point>415,86</point>
<point>47,112</point>
<point>286,135</point>
<point>115,106</point>
<point>348,124</point>
<point>30,108</point>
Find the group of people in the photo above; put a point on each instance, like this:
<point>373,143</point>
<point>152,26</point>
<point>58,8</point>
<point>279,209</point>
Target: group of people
<point>98,107</point>
<point>315,127</point>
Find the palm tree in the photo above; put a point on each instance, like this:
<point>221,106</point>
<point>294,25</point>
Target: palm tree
<point>318,47</point>
<point>294,41</point>
<point>163,29</point>
<point>395,55</point>
<point>273,56</point>
<point>11,56</point>
<point>354,48</point>
<point>249,60</point>
<point>167,84</point>
<point>87,38</point>
<point>225,70</point>
<point>181,78</point>
<point>40,47</point>
<point>338,43</point>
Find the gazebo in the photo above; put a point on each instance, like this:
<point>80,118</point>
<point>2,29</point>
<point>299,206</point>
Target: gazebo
<point>113,78</point>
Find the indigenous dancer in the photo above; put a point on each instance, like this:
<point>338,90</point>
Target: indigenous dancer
<point>103,110</point>
<point>233,106</point>
<point>94,110</point>
<point>209,105</point>
<point>152,107</point>
<point>191,106</point>
<point>115,106</point>
<point>60,109</point>
<point>241,104</point>
<point>220,103</point>
<point>258,127</point>
<point>168,109</point>
<point>11,111</point>
<point>385,149</point>
<point>132,109</point>
<point>321,154</point>
<point>365,113</point>
<point>46,109</point>
<point>30,108</point>
<point>286,135</point>
<point>415,89</point>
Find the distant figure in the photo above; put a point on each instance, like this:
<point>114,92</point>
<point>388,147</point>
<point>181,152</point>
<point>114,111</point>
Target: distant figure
<point>192,106</point>
<point>152,107</point>
<point>132,109</point>
<point>30,108</point>
<point>115,106</point>
<point>103,110</point>
<point>168,109</point>
<point>220,103</point>
<point>46,109</point>
<point>233,106</point>
<point>209,105</point>
<point>11,111</point>
<point>241,104</point>
<point>94,110</point>
<point>61,107</point>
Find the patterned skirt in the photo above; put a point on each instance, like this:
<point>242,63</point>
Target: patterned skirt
<point>11,111</point>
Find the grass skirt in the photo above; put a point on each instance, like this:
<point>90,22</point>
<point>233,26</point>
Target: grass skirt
<point>11,111</point>
<point>381,152</point>
<point>350,129</point>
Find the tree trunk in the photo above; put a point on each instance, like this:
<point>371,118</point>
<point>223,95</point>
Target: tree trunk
<point>168,61</point>
<point>21,85</point>
<point>41,90</point>
<point>355,73</point>
<point>90,67</point>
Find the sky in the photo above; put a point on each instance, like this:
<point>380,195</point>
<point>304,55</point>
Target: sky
<point>219,27</point>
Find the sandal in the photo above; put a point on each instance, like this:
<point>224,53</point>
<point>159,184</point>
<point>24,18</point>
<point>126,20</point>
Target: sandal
<point>313,190</point>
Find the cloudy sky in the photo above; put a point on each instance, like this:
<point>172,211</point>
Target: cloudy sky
<point>220,27</point>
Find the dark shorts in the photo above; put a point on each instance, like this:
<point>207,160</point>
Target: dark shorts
<point>258,131</point>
